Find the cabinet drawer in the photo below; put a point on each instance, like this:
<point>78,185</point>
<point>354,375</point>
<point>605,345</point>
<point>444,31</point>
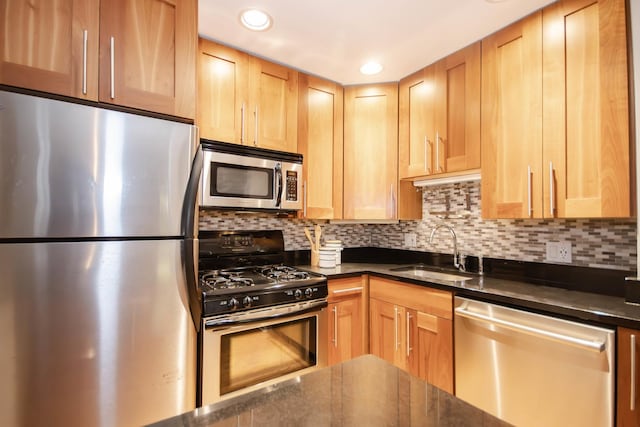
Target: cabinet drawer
<point>339,288</point>
<point>426,300</point>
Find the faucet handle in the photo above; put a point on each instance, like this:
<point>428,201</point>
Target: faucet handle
<point>462,266</point>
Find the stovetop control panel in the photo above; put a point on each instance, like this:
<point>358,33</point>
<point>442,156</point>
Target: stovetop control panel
<point>276,295</point>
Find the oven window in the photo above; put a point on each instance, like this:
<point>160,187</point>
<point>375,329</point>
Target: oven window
<point>256,355</point>
<point>241,181</point>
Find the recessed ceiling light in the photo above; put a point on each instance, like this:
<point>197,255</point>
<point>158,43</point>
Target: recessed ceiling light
<point>370,68</point>
<point>255,19</point>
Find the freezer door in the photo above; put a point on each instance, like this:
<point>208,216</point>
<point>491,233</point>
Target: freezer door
<point>70,170</point>
<point>94,334</point>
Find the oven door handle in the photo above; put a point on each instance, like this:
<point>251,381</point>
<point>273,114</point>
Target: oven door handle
<point>278,170</point>
<point>261,315</point>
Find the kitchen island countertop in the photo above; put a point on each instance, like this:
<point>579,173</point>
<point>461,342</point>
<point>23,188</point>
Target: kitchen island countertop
<point>366,391</point>
<point>604,309</point>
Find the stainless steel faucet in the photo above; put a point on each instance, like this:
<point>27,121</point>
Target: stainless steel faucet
<point>456,264</point>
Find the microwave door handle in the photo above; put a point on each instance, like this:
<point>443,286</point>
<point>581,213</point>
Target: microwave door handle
<point>278,171</point>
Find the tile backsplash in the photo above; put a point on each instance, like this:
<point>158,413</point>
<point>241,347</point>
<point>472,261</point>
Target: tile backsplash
<point>604,243</point>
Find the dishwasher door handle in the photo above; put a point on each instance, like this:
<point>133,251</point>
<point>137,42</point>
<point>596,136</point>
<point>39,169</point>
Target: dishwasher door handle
<point>592,345</point>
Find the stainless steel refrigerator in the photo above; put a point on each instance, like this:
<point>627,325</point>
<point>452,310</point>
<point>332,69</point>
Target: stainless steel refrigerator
<point>96,231</point>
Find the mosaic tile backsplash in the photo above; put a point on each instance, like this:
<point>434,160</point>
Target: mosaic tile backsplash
<point>603,243</point>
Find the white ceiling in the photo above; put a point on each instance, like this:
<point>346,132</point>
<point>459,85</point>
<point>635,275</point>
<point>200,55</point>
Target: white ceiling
<point>333,38</point>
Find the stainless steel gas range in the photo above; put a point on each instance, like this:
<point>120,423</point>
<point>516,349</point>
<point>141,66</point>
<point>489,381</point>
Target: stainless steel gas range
<point>263,321</point>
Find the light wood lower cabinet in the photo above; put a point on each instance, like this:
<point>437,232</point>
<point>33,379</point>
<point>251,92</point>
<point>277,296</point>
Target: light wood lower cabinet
<point>411,327</point>
<point>628,400</point>
<point>348,326</point>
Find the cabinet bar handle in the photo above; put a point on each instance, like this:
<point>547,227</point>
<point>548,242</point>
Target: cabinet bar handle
<point>529,208</point>
<point>427,164</point>
<point>335,326</point>
<point>552,191</point>
<point>395,323</point>
<point>632,404</point>
<point>242,123</point>
<point>256,130</point>
<point>393,200</point>
<point>426,142</point>
<point>343,291</point>
<point>408,333</point>
<point>113,62</point>
<point>85,42</point>
<point>304,200</point>
<point>438,168</point>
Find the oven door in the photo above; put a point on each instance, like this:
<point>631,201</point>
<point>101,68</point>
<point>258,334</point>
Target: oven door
<point>261,347</point>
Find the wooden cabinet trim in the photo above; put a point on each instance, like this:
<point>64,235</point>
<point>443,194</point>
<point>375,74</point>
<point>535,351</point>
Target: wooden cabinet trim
<point>427,300</point>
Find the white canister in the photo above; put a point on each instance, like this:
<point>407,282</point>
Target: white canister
<point>327,257</point>
<point>336,245</point>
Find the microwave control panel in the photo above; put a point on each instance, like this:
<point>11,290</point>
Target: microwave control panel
<point>292,186</point>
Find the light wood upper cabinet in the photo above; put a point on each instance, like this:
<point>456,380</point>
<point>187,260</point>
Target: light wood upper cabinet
<point>457,111</point>
<point>138,54</point>
<point>320,141</point>
<point>416,124</point>
<point>628,397</point>
<point>273,98</point>
<point>371,151</point>
<point>148,55</point>
<point>586,110</point>
<point>511,117</point>
<point>246,100</point>
<point>556,136</point>
<point>348,318</point>
<point>440,116</point>
<point>223,92</point>
<point>412,327</point>
<point>51,46</point>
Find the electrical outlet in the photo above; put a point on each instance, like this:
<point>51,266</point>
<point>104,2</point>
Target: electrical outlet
<point>559,252</point>
<point>410,240</point>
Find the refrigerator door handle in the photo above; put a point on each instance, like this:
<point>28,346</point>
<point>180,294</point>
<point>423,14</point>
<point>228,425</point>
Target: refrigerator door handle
<point>189,203</point>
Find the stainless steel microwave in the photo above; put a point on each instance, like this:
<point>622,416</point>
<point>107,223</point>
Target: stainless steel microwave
<point>241,177</point>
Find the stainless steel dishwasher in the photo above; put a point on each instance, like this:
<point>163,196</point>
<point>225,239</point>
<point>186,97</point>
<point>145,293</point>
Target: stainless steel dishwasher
<point>533,370</point>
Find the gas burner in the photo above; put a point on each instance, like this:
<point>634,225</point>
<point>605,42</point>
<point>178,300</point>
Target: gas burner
<point>216,279</point>
<point>282,273</point>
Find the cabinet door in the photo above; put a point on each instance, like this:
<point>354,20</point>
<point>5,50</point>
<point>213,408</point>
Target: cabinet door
<point>430,349</point>
<point>274,101</point>
<point>51,46</point>
<point>346,329</point>
<point>223,93</point>
<point>348,324</point>
<point>416,124</point>
<point>511,121</point>
<point>388,331</point>
<point>371,151</point>
<point>628,400</point>
<point>320,139</point>
<point>148,55</point>
<point>586,117</point>
<point>457,111</point>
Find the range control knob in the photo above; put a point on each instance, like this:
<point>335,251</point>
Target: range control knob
<point>297,293</point>
<point>246,302</point>
<point>308,292</point>
<point>233,304</point>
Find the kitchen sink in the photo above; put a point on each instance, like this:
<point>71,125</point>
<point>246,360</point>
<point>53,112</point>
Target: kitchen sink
<point>426,272</point>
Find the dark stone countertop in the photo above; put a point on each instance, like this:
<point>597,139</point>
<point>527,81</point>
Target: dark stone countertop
<point>601,309</point>
<point>366,391</point>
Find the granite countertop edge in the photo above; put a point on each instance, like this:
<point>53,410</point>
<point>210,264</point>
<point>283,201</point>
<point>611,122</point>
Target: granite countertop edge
<point>603,309</point>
